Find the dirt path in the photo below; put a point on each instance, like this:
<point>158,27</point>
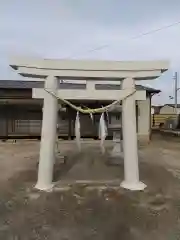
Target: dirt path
<point>82,213</point>
<point>16,157</point>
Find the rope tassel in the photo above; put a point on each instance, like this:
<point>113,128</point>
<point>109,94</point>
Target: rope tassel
<point>102,132</point>
<point>91,116</point>
<point>77,131</point>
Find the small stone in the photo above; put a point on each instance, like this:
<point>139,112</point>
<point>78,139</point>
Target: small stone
<point>158,203</point>
<point>28,190</point>
<point>62,189</point>
<point>34,196</point>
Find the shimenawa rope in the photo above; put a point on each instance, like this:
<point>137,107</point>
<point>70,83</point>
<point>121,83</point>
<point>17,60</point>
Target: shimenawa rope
<point>89,110</point>
<point>102,125</point>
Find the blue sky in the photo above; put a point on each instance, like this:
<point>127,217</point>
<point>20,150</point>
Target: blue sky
<point>71,28</point>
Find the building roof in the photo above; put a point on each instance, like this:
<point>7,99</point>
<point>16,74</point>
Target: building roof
<point>26,84</point>
<point>171,105</point>
<point>148,89</point>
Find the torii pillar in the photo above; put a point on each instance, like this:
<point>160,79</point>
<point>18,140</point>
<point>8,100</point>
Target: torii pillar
<point>48,136</point>
<point>130,146</point>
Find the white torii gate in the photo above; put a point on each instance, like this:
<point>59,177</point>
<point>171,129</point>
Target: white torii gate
<point>53,70</point>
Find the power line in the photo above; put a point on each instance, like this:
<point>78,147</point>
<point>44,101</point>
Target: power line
<point>135,37</point>
<point>156,30</point>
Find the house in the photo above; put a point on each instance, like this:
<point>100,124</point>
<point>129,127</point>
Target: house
<point>169,109</point>
<point>21,115</point>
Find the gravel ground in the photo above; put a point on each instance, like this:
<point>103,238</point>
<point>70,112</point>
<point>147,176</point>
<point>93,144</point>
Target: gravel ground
<point>90,213</point>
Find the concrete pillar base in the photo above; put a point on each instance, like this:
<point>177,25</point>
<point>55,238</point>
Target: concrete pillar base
<point>138,186</point>
<point>46,188</point>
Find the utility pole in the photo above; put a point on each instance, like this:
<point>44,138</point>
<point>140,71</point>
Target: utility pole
<point>175,90</point>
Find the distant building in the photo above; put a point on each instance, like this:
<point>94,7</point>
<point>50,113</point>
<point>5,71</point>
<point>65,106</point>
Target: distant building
<point>169,109</point>
<point>21,115</point>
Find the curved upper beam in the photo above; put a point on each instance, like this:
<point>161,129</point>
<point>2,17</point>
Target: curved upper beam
<point>89,65</point>
<point>84,69</point>
<point>79,74</point>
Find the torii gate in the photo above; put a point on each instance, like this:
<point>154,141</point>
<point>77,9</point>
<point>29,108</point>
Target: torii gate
<point>53,70</point>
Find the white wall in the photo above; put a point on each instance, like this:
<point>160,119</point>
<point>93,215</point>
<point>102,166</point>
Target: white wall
<point>152,110</point>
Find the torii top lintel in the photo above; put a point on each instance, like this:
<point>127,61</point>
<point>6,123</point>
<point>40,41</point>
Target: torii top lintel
<point>89,69</point>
